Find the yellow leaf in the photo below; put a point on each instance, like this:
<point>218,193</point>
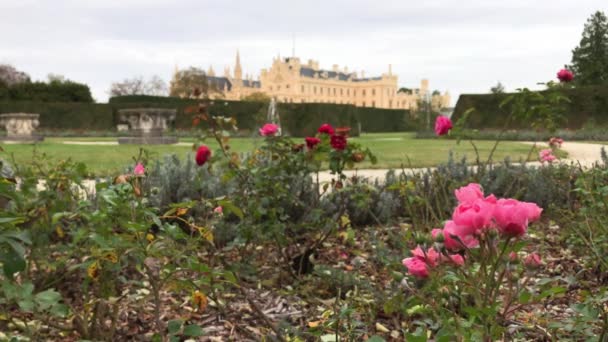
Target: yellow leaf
<point>150,237</point>
<point>381,328</point>
<point>314,324</point>
<point>59,232</point>
<point>205,233</point>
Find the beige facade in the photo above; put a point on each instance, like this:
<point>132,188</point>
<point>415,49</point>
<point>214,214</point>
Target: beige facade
<point>288,80</point>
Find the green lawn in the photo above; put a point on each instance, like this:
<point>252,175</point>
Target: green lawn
<point>392,149</point>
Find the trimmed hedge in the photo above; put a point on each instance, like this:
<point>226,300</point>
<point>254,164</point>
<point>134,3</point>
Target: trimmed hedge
<point>298,119</point>
<point>587,103</point>
<point>65,115</point>
<point>54,91</point>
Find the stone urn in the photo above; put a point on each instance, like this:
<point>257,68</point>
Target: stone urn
<point>20,127</point>
<point>147,125</point>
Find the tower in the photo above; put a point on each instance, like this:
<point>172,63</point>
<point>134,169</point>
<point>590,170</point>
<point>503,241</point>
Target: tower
<point>238,71</point>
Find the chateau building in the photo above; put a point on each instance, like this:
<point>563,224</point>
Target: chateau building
<point>288,80</point>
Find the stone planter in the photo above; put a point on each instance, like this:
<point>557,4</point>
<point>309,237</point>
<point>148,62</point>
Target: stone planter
<point>147,125</point>
<point>20,127</point>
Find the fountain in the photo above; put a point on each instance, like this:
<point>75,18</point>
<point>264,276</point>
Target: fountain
<point>20,127</point>
<point>147,125</point>
<point>273,115</point>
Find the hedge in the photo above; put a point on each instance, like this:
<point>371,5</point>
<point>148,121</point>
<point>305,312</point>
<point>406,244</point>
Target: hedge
<point>297,119</point>
<point>587,103</point>
<point>54,91</point>
<point>65,115</point>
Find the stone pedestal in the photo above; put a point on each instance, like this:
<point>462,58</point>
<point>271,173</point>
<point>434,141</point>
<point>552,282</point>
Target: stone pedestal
<point>20,127</point>
<point>147,125</point>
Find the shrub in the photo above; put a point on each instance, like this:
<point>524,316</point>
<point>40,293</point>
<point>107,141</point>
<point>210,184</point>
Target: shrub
<point>586,103</point>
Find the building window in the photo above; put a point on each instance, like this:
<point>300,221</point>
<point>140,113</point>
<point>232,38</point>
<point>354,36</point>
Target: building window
<point>363,95</point>
<point>321,90</point>
<point>278,87</point>
<point>270,87</point>
<point>373,93</point>
<point>302,88</point>
<point>390,103</point>
<point>287,86</point>
<point>314,90</point>
<point>347,92</point>
<point>364,101</point>
<point>373,103</point>
<point>334,91</point>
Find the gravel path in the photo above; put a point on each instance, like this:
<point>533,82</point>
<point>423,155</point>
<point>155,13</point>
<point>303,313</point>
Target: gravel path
<point>586,154</point>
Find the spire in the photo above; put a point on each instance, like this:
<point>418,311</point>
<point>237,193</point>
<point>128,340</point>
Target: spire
<point>238,71</point>
<point>210,72</point>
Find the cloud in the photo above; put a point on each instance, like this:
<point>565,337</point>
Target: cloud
<point>463,47</point>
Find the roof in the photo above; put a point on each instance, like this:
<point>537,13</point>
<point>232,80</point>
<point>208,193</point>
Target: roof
<point>219,82</point>
<point>252,84</point>
<point>308,72</point>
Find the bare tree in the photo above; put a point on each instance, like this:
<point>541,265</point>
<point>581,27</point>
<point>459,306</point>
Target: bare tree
<point>12,76</point>
<point>138,86</point>
<point>156,86</point>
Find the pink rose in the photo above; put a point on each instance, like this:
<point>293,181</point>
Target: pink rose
<point>139,169</point>
<point>443,124</point>
<point>416,267</point>
<point>511,216</point>
<point>473,217</point>
<point>218,210</point>
<point>533,210</point>
<point>547,156</point>
<point>450,234</point>
<point>431,256</point>
<point>457,259</point>
<point>556,142</point>
<point>269,129</point>
<point>326,129</point>
<point>533,260</point>
<point>565,75</point>
<point>469,194</point>
<point>512,256</point>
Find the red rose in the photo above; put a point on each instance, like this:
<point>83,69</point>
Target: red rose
<point>202,155</point>
<point>311,142</point>
<point>327,129</point>
<point>338,142</point>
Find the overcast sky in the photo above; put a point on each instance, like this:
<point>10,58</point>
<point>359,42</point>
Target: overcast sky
<point>462,46</point>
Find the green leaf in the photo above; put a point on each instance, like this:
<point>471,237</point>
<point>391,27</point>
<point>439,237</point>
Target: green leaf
<point>193,330</point>
<point>47,299</point>
<point>231,208</point>
<point>12,263</point>
<point>13,220</point>
<point>26,305</point>
<point>174,325</point>
<point>376,338</point>
<point>525,297</point>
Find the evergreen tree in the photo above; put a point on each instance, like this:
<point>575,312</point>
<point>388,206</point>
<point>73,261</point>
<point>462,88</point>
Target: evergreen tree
<point>590,58</point>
